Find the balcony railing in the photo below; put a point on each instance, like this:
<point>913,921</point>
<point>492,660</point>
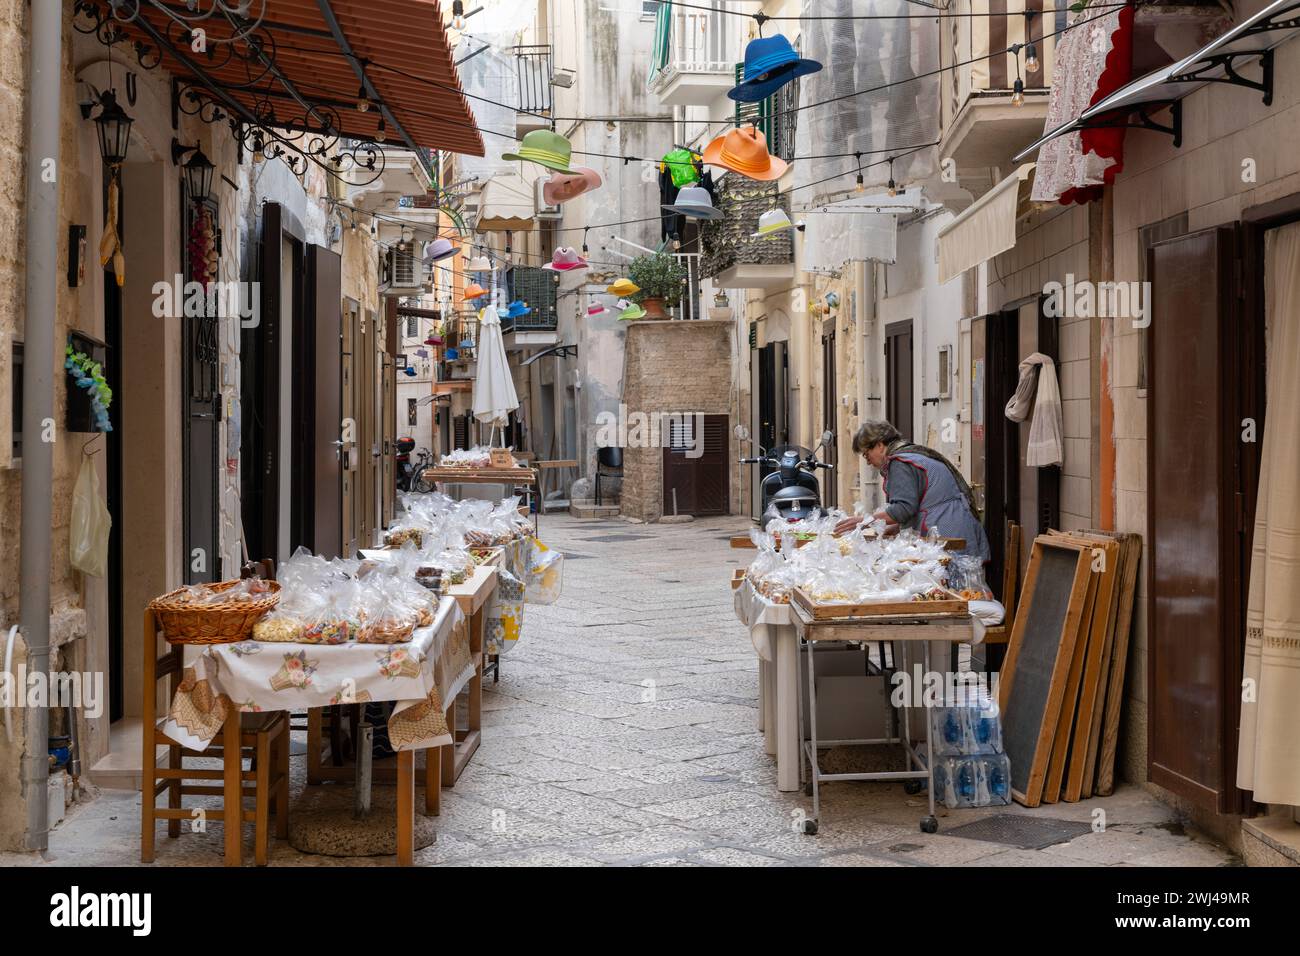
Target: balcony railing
<point>533,70</point>
<point>688,307</point>
<point>986,70</point>
<point>695,41</point>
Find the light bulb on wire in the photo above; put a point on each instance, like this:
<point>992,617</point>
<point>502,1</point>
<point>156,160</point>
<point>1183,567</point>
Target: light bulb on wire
<point>380,135</point>
<point>1018,92</point>
<point>458,15</point>
<point>363,101</point>
<point>1031,58</point>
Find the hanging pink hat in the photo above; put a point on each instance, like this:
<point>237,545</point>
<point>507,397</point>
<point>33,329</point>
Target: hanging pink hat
<point>565,259</point>
<point>595,310</point>
<point>561,187</point>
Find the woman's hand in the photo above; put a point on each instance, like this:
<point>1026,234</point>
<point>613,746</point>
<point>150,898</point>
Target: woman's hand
<point>848,524</point>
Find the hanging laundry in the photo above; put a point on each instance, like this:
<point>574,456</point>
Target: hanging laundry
<point>683,165</point>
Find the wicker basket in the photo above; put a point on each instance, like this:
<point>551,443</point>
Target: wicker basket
<point>224,622</point>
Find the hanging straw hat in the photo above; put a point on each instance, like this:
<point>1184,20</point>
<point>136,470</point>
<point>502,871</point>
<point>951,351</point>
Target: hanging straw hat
<point>772,223</point>
<point>545,148</point>
<point>694,201</point>
<point>623,288</point>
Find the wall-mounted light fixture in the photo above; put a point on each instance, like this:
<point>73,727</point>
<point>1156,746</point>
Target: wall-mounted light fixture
<point>198,171</point>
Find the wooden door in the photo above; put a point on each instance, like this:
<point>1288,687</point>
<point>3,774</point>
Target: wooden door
<point>898,377</point>
<point>388,428</point>
<point>698,485</point>
<point>995,444</point>
<point>260,368</point>
<point>1195,584</point>
<point>321,467</point>
<point>349,345</point>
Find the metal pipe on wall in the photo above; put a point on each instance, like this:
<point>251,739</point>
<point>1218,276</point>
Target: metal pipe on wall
<point>43,92</point>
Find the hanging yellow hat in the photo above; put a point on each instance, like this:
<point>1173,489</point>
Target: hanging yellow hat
<point>623,288</point>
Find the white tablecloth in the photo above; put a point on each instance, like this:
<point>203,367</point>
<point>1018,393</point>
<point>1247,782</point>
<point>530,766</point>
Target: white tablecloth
<point>421,674</point>
<point>760,615</point>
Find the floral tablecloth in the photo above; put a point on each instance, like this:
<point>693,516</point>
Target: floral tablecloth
<point>420,674</point>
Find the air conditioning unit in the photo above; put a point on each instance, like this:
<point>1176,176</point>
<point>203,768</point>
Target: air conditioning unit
<point>403,272</point>
<point>540,208</point>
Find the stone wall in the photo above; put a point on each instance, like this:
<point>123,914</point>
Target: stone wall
<point>672,367</point>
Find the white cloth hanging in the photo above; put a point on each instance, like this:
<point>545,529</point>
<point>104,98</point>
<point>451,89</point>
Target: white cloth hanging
<point>1045,445</point>
<point>494,387</point>
<point>1268,759</point>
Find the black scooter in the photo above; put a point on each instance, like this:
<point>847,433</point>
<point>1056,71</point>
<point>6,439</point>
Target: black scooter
<point>410,474</point>
<point>792,489</point>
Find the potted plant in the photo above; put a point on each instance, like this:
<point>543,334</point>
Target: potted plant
<point>721,308</point>
<point>660,279</point>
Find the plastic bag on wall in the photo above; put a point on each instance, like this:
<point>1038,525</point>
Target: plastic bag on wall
<point>91,523</point>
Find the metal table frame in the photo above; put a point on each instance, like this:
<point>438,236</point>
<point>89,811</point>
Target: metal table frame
<point>892,630</point>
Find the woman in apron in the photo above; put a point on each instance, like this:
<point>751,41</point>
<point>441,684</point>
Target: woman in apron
<point>923,490</point>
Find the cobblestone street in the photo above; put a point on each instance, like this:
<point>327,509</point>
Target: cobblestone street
<point>624,731</point>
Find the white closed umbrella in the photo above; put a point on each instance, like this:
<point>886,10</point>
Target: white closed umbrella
<point>494,388</point>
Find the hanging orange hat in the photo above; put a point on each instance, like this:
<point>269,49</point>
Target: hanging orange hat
<point>744,151</point>
<point>474,291</point>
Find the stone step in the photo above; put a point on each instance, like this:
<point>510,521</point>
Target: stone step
<point>589,509</point>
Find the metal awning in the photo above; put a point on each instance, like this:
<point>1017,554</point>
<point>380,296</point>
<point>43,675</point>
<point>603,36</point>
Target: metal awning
<point>1219,61</point>
<point>987,227</point>
<point>303,64</point>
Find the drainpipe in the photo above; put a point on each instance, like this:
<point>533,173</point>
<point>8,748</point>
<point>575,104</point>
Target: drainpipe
<point>46,66</point>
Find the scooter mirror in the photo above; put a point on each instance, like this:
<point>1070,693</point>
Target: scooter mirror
<point>741,432</point>
<point>828,436</point>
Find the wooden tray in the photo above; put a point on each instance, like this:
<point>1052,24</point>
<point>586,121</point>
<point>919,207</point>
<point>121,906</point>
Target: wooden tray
<point>737,578</point>
<point>503,476</point>
<point>830,612</point>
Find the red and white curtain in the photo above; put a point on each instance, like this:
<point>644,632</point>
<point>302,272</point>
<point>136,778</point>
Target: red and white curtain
<point>1093,59</point>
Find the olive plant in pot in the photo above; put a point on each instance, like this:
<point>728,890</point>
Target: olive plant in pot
<point>660,279</point>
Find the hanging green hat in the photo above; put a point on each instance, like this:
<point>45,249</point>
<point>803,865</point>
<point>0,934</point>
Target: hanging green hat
<point>632,312</point>
<point>681,167</point>
<point>545,148</point>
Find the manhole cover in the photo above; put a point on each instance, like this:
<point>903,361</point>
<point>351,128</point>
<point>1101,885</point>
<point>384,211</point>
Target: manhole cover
<point>1025,832</point>
<point>617,537</point>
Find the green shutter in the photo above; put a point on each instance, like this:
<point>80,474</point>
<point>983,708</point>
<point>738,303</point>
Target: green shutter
<point>760,113</point>
<point>663,44</point>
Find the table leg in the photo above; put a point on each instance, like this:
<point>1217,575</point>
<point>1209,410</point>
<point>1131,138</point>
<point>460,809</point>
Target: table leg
<point>475,717</point>
<point>433,781</point>
<point>313,745</point>
<point>787,709</point>
<point>232,815</point>
<point>448,758</point>
<point>405,807</point>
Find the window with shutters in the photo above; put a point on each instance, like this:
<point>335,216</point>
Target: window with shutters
<point>775,116</point>
<point>412,326</point>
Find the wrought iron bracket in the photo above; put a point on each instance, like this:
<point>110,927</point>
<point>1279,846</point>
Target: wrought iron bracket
<point>1229,63</point>
<point>1139,117</point>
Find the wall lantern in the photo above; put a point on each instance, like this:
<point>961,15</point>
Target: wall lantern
<point>113,126</point>
<point>198,171</point>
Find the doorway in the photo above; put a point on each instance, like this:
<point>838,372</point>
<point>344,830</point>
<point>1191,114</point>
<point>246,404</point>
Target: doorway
<point>113,467</point>
<point>830,418</point>
<point>698,485</point>
<point>898,377</point>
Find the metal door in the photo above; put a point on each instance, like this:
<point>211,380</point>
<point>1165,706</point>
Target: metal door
<point>200,425</point>
<point>830,417</point>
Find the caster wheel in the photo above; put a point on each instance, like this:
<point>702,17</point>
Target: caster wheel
<point>929,825</point>
<point>810,827</point>
<point>913,787</point>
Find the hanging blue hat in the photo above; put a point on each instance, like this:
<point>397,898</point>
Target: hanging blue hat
<point>770,63</point>
<point>515,310</point>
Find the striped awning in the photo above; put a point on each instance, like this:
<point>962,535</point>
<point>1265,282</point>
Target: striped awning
<point>309,61</point>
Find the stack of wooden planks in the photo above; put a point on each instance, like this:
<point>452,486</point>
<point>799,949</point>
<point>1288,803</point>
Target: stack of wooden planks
<point>1071,747</point>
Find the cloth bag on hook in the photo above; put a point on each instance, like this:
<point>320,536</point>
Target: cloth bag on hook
<point>91,523</point>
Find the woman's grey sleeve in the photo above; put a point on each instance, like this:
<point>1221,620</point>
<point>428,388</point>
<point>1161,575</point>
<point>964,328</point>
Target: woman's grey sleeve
<point>904,493</point>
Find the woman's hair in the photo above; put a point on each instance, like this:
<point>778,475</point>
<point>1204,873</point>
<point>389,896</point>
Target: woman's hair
<point>871,433</point>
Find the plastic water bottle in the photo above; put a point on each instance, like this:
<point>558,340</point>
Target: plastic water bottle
<point>997,771</point>
<point>966,783</point>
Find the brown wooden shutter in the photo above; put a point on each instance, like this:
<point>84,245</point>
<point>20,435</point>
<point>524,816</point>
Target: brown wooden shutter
<point>1193,568</point>
<point>323,412</point>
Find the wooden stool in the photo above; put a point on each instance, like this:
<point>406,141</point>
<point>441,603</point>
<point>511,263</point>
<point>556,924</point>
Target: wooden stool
<point>263,738</point>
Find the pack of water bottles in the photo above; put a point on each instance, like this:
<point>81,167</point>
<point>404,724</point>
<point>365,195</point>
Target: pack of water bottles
<point>970,769</point>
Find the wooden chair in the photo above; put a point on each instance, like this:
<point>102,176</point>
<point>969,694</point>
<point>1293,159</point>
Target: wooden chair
<point>263,738</point>
<point>1001,633</point>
